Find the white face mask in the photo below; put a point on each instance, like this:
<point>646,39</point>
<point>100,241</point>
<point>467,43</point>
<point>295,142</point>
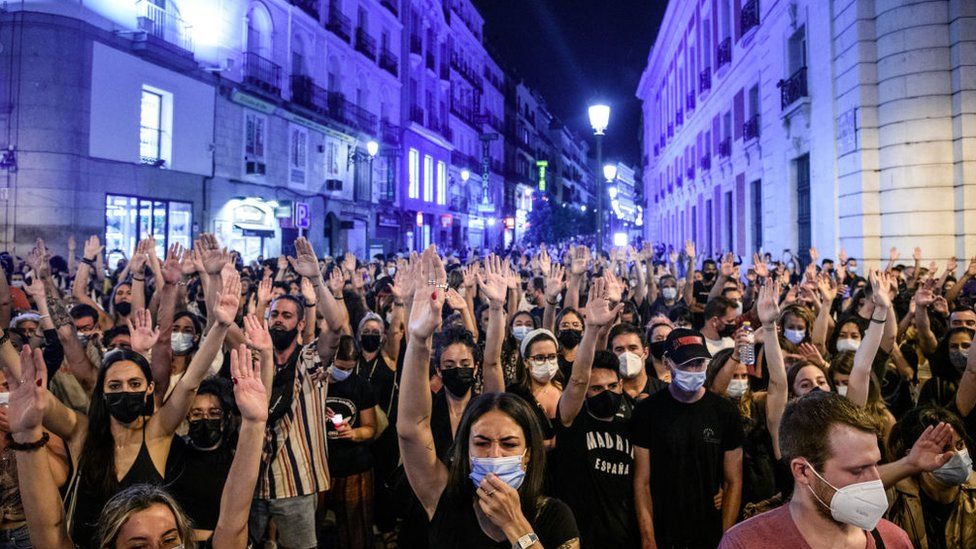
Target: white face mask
<point>848,345</point>
<point>631,364</point>
<point>338,374</point>
<point>861,504</point>
<point>543,371</point>
<point>519,332</point>
<point>391,271</point>
<point>842,390</point>
<point>669,293</point>
<point>737,388</point>
<point>794,336</point>
<point>181,343</point>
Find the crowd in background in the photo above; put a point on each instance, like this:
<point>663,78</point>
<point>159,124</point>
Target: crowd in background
<point>542,397</point>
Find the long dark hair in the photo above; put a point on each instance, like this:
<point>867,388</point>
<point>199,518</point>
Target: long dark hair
<point>939,360</point>
<point>97,459</point>
<point>515,407</point>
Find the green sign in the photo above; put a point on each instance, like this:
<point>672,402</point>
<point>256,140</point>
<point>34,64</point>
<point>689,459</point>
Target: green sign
<point>542,165</point>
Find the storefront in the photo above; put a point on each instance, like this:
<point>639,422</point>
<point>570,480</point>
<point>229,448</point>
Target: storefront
<point>129,219</point>
<point>250,226</point>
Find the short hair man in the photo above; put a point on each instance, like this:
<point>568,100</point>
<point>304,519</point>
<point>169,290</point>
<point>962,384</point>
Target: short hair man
<point>838,500</point>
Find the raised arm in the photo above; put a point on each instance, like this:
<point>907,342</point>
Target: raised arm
<point>778,391</point>
<point>328,296</point>
<point>857,387</point>
<point>426,474</point>
<point>251,396</point>
<point>689,290</point>
<point>953,292</point>
<point>724,273</point>
<point>137,266</point>
<point>966,394</point>
<point>79,290</point>
<point>258,340</point>
<point>5,308</point>
<point>598,316</point>
<point>554,286</point>
<point>493,286</point>
<point>821,325</point>
<point>162,352</point>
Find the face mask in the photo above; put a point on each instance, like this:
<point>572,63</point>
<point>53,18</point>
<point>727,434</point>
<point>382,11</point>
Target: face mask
<point>958,359</point>
<point>738,309</point>
<point>458,380</point>
<point>604,404</point>
<point>708,276</point>
<point>123,308</point>
<point>842,390</point>
<point>544,371</point>
<point>391,271</point>
<point>737,388</point>
<point>688,382</point>
<point>794,336</point>
<point>181,343</point>
<point>861,504</point>
<point>956,471</point>
<point>848,345</point>
<point>205,433</point>
<point>281,339</point>
<point>727,330</point>
<point>852,269</point>
<point>658,348</point>
<point>389,318</point>
<point>338,374</point>
<point>508,469</point>
<point>630,364</point>
<point>126,406</point>
<point>519,332</point>
<point>370,342</point>
<point>669,293</point>
<point>569,339</point>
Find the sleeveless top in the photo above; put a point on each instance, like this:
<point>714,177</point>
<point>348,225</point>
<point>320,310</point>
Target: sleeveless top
<point>89,500</point>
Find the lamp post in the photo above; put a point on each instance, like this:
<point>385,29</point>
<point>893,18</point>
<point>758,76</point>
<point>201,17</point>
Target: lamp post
<point>610,174</point>
<point>599,119</point>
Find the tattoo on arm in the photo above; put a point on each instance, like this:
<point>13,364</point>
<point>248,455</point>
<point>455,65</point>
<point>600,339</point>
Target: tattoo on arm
<point>59,314</point>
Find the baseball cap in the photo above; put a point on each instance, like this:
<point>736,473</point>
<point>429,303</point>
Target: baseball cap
<point>684,345</point>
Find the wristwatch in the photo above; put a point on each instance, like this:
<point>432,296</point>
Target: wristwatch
<point>526,541</point>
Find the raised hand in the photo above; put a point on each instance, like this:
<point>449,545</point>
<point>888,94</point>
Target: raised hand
<point>880,284</point>
<point>428,299</point>
<point>614,287</point>
<point>810,353</point>
<point>814,255</point>
<point>758,265</point>
<point>768,304</point>
<point>494,284</point>
<point>689,248</point>
<point>470,277</point>
<point>925,295</point>
<point>893,254</point>
<point>214,258</point>
<point>728,265</point>
<point>951,265</point>
<point>173,266</point>
<point>28,395</point>
<point>137,265</point>
<point>225,310</point>
<point>72,245</point>
<point>357,279</point>
<point>545,263</point>
<point>249,392</point>
<point>827,287</point>
<point>917,254</point>
<point>842,257</point>
<point>580,262</point>
<point>36,290</point>
<point>264,291</point>
<point>555,282</point>
<point>141,332</point>
<point>598,311</point>
<point>336,282</point>
<point>455,301</point>
<point>308,291</point>
<point>93,248</point>
<point>926,454</point>
<point>256,334</point>
<point>349,263</point>
<point>39,259</point>
<point>305,263</point>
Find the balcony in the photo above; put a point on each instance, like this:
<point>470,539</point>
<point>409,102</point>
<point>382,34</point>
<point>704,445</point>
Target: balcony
<point>492,78</point>
<point>725,147</point>
<point>750,128</point>
<point>351,114</point>
<point>416,45</point>
<point>663,142</point>
<point>465,114</point>
<point>724,52</point>
<point>389,133</point>
<point>306,93</point>
<point>310,7</point>
<point>493,121</point>
<point>339,24</point>
<point>706,163</point>
<point>466,71</point>
<point>749,18</point>
<point>389,62</point>
<point>365,44</point>
<point>390,5</point>
<point>417,114</point>
<point>670,130</point>
<point>462,160</point>
<point>705,80</point>
<point>690,101</point>
<point>793,88</point>
<point>690,172</point>
<point>431,62</point>
<point>679,118</point>
<point>445,71</point>
<point>164,25</point>
<point>262,73</point>
<point>656,151</point>
<point>459,204</point>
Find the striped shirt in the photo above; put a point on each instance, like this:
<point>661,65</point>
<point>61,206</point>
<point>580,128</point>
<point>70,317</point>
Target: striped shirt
<point>295,460</point>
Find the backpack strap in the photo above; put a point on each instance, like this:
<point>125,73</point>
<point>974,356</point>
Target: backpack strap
<point>878,542</point>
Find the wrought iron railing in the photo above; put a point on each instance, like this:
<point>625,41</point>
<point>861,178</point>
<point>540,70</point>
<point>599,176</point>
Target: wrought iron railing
<point>793,87</point>
<point>389,62</point>
<point>749,18</point>
<point>262,73</point>
<point>705,80</point>
<point>365,44</point>
<point>165,25</point>
<point>339,24</point>
<point>724,52</point>
<point>750,128</point>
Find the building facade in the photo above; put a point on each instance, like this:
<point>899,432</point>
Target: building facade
<point>781,125</point>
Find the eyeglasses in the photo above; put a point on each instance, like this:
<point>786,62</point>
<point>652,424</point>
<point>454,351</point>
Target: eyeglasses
<point>213,413</point>
<point>543,358</point>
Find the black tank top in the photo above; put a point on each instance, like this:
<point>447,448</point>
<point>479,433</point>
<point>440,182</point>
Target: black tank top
<point>91,499</point>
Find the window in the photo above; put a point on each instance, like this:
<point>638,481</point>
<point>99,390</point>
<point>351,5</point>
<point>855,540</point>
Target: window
<point>757,230</point>
<point>754,101</point>
<point>332,159</point>
<point>428,178</point>
<point>414,183</point>
<point>797,50</point>
<point>255,128</point>
<point>728,221</point>
<point>151,132</point>
<point>298,157</point>
<point>441,183</point>
<point>129,219</point>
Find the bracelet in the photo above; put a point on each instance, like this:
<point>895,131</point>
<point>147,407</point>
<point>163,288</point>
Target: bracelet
<point>313,304</point>
<point>89,262</point>
<point>881,321</point>
<point>338,298</point>
<point>42,317</point>
<point>553,302</point>
<point>27,446</point>
<point>139,278</point>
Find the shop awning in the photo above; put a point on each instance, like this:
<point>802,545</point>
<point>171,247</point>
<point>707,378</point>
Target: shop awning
<point>255,229</point>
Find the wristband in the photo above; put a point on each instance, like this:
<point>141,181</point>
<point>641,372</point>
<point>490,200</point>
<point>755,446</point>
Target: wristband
<point>89,262</point>
<point>27,446</point>
<point>313,304</point>
<point>338,298</point>
<point>139,278</point>
<point>879,321</point>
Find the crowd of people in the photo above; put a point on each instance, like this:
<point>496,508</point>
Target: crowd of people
<point>546,397</point>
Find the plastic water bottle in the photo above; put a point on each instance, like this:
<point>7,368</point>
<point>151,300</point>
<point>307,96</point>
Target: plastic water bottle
<point>747,350</point>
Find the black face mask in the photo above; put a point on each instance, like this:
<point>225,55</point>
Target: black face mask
<point>205,433</point>
<point>458,380</point>
<point>569,339</point>
<point>281,339</point>
<point>727,330</point>
<point>658,348</point>
<point>127,406</point>
<point>708,276</point>
<point>370,342</point>
<point>604,404</point>
<point>123,308</point>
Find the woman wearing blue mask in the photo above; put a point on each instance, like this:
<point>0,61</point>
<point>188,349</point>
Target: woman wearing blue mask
<point>491,493</point>
<point>938,508</point>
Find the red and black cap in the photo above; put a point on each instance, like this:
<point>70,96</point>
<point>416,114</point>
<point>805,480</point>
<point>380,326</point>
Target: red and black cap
<point>684,345</point>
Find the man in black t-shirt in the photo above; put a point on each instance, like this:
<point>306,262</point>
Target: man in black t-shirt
<point>687,447</point>
<point>594,458</point>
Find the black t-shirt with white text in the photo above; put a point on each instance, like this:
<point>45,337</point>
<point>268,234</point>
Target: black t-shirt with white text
<point>349,397</point>
<point>687,444</point>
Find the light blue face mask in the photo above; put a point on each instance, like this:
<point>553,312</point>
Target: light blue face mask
<point>956,471</point>
<point>508,469</point>
<point>688,382</point>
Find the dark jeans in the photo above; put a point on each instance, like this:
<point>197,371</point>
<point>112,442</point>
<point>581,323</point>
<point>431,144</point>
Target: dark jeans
<point>16,538</point>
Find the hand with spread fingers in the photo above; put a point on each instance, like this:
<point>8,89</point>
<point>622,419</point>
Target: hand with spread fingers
<point>429,296</point>
<point>250,394</point>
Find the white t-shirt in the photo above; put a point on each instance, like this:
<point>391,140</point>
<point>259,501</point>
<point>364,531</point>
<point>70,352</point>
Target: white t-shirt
<point>716,345</point>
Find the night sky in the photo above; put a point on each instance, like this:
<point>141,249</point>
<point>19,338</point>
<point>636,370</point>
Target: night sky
<point>576,52</point>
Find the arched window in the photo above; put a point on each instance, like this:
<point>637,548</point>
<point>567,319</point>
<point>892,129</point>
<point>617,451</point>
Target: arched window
<point>259,31</point>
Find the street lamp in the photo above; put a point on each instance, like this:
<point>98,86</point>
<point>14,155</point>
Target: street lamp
<point>599,119</point>
<point>465,175</point>
<point>610,174</point>
<point>372,148</point>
